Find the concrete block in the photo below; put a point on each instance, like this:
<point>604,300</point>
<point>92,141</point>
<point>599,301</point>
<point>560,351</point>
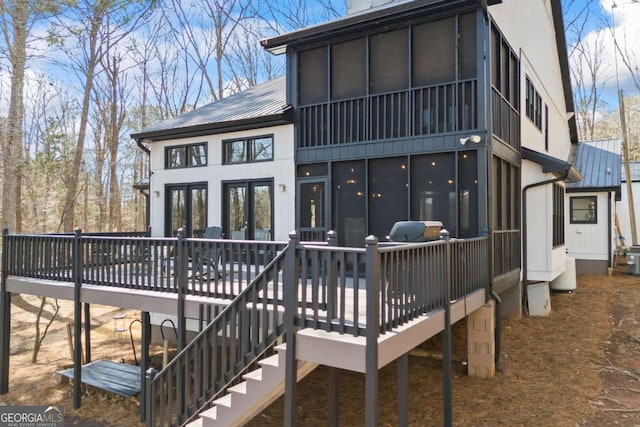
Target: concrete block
<point>481,344</point>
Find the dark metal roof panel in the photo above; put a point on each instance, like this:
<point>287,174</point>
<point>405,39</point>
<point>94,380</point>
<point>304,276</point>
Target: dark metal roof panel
<point>599,163</point>
<point>635,172</point>
<point>264,100</point>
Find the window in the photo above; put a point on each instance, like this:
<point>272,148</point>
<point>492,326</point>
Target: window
<point>558,215</point>
<point>534,105</point>
<point>584,210</point>
<point>248,150</point>
<point>186,156</point>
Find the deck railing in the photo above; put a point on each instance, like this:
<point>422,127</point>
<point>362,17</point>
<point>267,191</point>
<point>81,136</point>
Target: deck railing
<point>276,287</point>
<point>211,268</point>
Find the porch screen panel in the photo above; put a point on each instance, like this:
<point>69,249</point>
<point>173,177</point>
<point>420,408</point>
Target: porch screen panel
<point>388,199</point>
<point>468,194</point>
<point>434,52</point>
<point>389,61</point>
<point>433,190</point>
<point>312,76</point>
<point>262,211</point>
<point>467,46</point>
<point>348,69</point>
<point>198,211</point>
<point>349,202</point>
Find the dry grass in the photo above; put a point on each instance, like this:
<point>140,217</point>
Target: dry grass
<point>551,370</point>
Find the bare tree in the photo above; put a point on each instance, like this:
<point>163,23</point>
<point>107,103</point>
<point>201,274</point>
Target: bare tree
<point>17,18</point>
<point>87,38</point>
<point>586,54</point>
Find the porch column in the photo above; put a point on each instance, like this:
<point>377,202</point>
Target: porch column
<point>290,281</point>
<point>481,343</point>
<point>144,361</point>
<point>403,390</point>
<point>87,333</point>
<point>373,330</point>
<point>76,266</point>
<point>5,319</point>
<point>446,337</point>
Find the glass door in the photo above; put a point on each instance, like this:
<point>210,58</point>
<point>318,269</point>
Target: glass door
<point>312,210</point>
<point>248,210</point>
<point>186,208</point>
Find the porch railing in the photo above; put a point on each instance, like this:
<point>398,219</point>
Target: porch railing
<point>506,251</point>
<point>506,120</point>
<point>436,109</point>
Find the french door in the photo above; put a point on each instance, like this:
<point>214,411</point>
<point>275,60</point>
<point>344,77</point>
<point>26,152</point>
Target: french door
<point>186,208</point>
<point>248,210</point>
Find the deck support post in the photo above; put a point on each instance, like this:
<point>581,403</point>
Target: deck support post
<point>403,390</point>
<point>333,397</point>
<point>290,282</point>
<point>144,361</point>
<point>5,319</point>
<point>373,330</point>
<point>87,333</point>
<point>446,337</point>
<point>181,278</point>
<point>77,318</point>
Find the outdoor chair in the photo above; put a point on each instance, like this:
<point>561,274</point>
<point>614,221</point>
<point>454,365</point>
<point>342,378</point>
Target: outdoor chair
<point>207,262</point>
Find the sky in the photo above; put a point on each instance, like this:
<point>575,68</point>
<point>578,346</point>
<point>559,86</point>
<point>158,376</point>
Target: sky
<point>604,20</point>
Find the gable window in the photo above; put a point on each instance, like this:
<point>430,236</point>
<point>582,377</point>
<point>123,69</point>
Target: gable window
<point>186,156</point>
<point>247,150</point>
<point>534,105</point>
<point>558,215</point>
<point>584,210</point>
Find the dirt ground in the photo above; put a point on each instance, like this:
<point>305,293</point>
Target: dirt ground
<point>580,366</point>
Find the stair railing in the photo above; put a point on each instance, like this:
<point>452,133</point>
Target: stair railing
<point>226,349</point>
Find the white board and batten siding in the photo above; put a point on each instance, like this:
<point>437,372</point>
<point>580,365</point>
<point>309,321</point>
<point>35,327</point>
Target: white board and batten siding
<point>281,170</point>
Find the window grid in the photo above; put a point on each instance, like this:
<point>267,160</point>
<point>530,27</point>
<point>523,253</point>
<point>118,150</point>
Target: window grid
<point>584,210</point>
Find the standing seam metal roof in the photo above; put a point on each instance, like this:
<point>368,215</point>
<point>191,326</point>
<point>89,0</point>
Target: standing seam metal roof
<point>599,161</point>
<point>263,100</point>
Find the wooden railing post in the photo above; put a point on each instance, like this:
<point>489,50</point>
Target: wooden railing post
<point>290,283</point>
<point>5,319</point>
<point>180,274</point>
<point>76,268</point>
<point>373,330</point>
<point>150,375</point>
<point>446,335</point>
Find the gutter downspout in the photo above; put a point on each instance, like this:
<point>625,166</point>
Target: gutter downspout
<point>525,301</point>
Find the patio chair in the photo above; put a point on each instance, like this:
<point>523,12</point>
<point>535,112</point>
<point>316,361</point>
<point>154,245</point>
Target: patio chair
<point>207,263</point>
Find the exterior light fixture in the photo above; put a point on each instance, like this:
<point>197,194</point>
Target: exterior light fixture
<point>473,138</point>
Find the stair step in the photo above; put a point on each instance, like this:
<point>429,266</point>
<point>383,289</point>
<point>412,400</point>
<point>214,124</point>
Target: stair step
<point>199,422</point>
<point>272,361</point>
<point>240,388</point>
<point>223,401</point>
<point>255,375</point>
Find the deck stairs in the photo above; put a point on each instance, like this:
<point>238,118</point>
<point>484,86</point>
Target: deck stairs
<point>248,398</point>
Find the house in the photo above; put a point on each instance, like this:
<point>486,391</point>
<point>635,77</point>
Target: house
<point>376,123</point>
<point>591,205</point>
<point>623,205</point>
<point>473,130</point>
<point>228,163</point>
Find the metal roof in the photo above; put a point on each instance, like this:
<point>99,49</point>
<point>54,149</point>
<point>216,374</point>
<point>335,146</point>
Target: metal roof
<point>261,105</point>
<point>599,162</point>
<point>635,172</point>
